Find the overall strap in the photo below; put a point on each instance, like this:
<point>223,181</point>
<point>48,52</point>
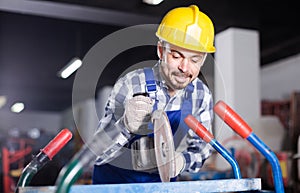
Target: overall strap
<point>150,87</point>
<point>186,109</point>
<point>186,106</point>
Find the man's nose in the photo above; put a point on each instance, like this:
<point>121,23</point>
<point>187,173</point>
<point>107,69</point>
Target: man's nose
<point>184,65</point>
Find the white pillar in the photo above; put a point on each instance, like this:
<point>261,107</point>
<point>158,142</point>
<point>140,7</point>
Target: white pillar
<point>237,73</point>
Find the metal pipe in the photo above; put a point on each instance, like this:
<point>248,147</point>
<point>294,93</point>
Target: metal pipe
<point>202,132</point>
<point>31,169</point>
<point>46,154</point>
<point>271,157</point>
<point>243,129</point>
<point>232,161</point>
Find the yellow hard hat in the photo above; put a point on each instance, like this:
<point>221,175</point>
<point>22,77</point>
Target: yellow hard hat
<point>189,28</point>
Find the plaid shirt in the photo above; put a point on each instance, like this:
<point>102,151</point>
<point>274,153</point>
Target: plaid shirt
<point>194,149</point>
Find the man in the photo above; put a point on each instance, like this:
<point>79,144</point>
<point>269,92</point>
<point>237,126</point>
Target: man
<point>186,36</point>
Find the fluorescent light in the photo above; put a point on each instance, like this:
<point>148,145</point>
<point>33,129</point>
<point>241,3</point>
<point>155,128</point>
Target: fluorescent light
<point>70,68</point>
<point>153,2</point>
<point>2,101</point>
<point>17,107</point>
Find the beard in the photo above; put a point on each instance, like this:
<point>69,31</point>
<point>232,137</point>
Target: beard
<point>180,80</point>
<point>177,80</point>
<point>174,78</point>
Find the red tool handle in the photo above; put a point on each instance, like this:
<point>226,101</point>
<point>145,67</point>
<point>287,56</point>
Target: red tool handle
<point>232,119</point>
<point>56,144</point>
<point>198,128</point>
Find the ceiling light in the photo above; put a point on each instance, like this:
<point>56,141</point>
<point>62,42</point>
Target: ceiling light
<point>153,2</point>
<point>70,68</point>
<point>2,101</point>
<point>17,107</point>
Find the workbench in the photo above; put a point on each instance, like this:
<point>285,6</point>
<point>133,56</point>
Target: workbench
<point>205,186</point>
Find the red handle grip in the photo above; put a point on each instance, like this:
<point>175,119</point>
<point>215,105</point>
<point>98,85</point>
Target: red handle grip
<point>232,119</point>
<point>198,128</point>
<point>57,143</point>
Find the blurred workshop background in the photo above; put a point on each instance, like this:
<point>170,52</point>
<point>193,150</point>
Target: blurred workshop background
<point>255,69</point>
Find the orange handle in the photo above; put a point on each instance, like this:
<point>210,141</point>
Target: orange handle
<point>198,128</point>
<point>56,144</point>
<point>232,119</point>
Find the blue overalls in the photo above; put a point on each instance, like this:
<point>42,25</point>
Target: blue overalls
<point>109,174</point>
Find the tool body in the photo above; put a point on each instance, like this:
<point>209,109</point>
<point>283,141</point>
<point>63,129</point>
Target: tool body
<point>104,144</point>
<point>243,129</point>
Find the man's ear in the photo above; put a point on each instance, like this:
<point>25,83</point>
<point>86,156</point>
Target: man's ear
<point>159,50</point>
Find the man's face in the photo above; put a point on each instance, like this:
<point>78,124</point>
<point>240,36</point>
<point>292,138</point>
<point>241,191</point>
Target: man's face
<point>179,66</point>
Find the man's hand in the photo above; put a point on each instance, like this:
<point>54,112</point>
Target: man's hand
<point>179,164</point>
<point>137,114</point>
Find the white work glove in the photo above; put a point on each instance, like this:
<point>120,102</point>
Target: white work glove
<point>137,114</point>
<point>179,164</point>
